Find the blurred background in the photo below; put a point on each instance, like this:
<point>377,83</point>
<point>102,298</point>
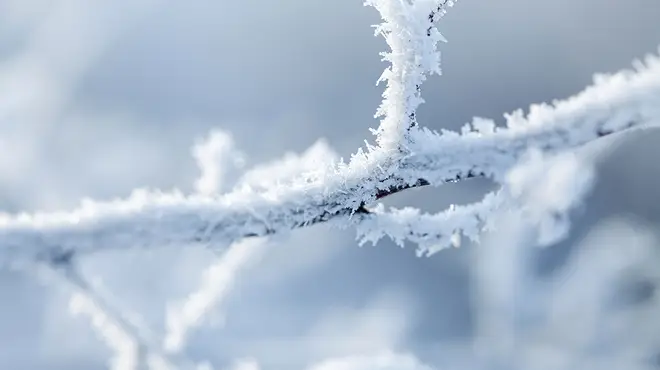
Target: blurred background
<point>98,98</point>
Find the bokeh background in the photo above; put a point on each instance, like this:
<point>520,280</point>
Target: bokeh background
<point>98,98</point>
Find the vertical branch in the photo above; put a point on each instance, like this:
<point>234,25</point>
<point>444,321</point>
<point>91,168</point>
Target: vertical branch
<point>409,30</point>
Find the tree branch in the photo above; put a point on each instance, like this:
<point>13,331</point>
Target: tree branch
<point>148,220</point>
<point>339,193</point>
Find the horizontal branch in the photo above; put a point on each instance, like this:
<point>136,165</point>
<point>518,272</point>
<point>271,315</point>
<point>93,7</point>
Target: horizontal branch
<point>153,220</point>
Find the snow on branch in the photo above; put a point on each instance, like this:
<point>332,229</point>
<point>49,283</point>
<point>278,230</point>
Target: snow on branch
<point>343,192</point>
<point>527,157</point>
<point>614,103</point>
<point>544,188</point>
<point>410,32</point>
<point>155,219</point>
<point>431,232</point>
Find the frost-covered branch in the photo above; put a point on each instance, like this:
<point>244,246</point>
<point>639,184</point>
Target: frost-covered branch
<point>529,158</point>
<point>409,30</point>
<point>155,219</point>
<point>545,188</point>
<point>343,192</point>
<point>431,232</point>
